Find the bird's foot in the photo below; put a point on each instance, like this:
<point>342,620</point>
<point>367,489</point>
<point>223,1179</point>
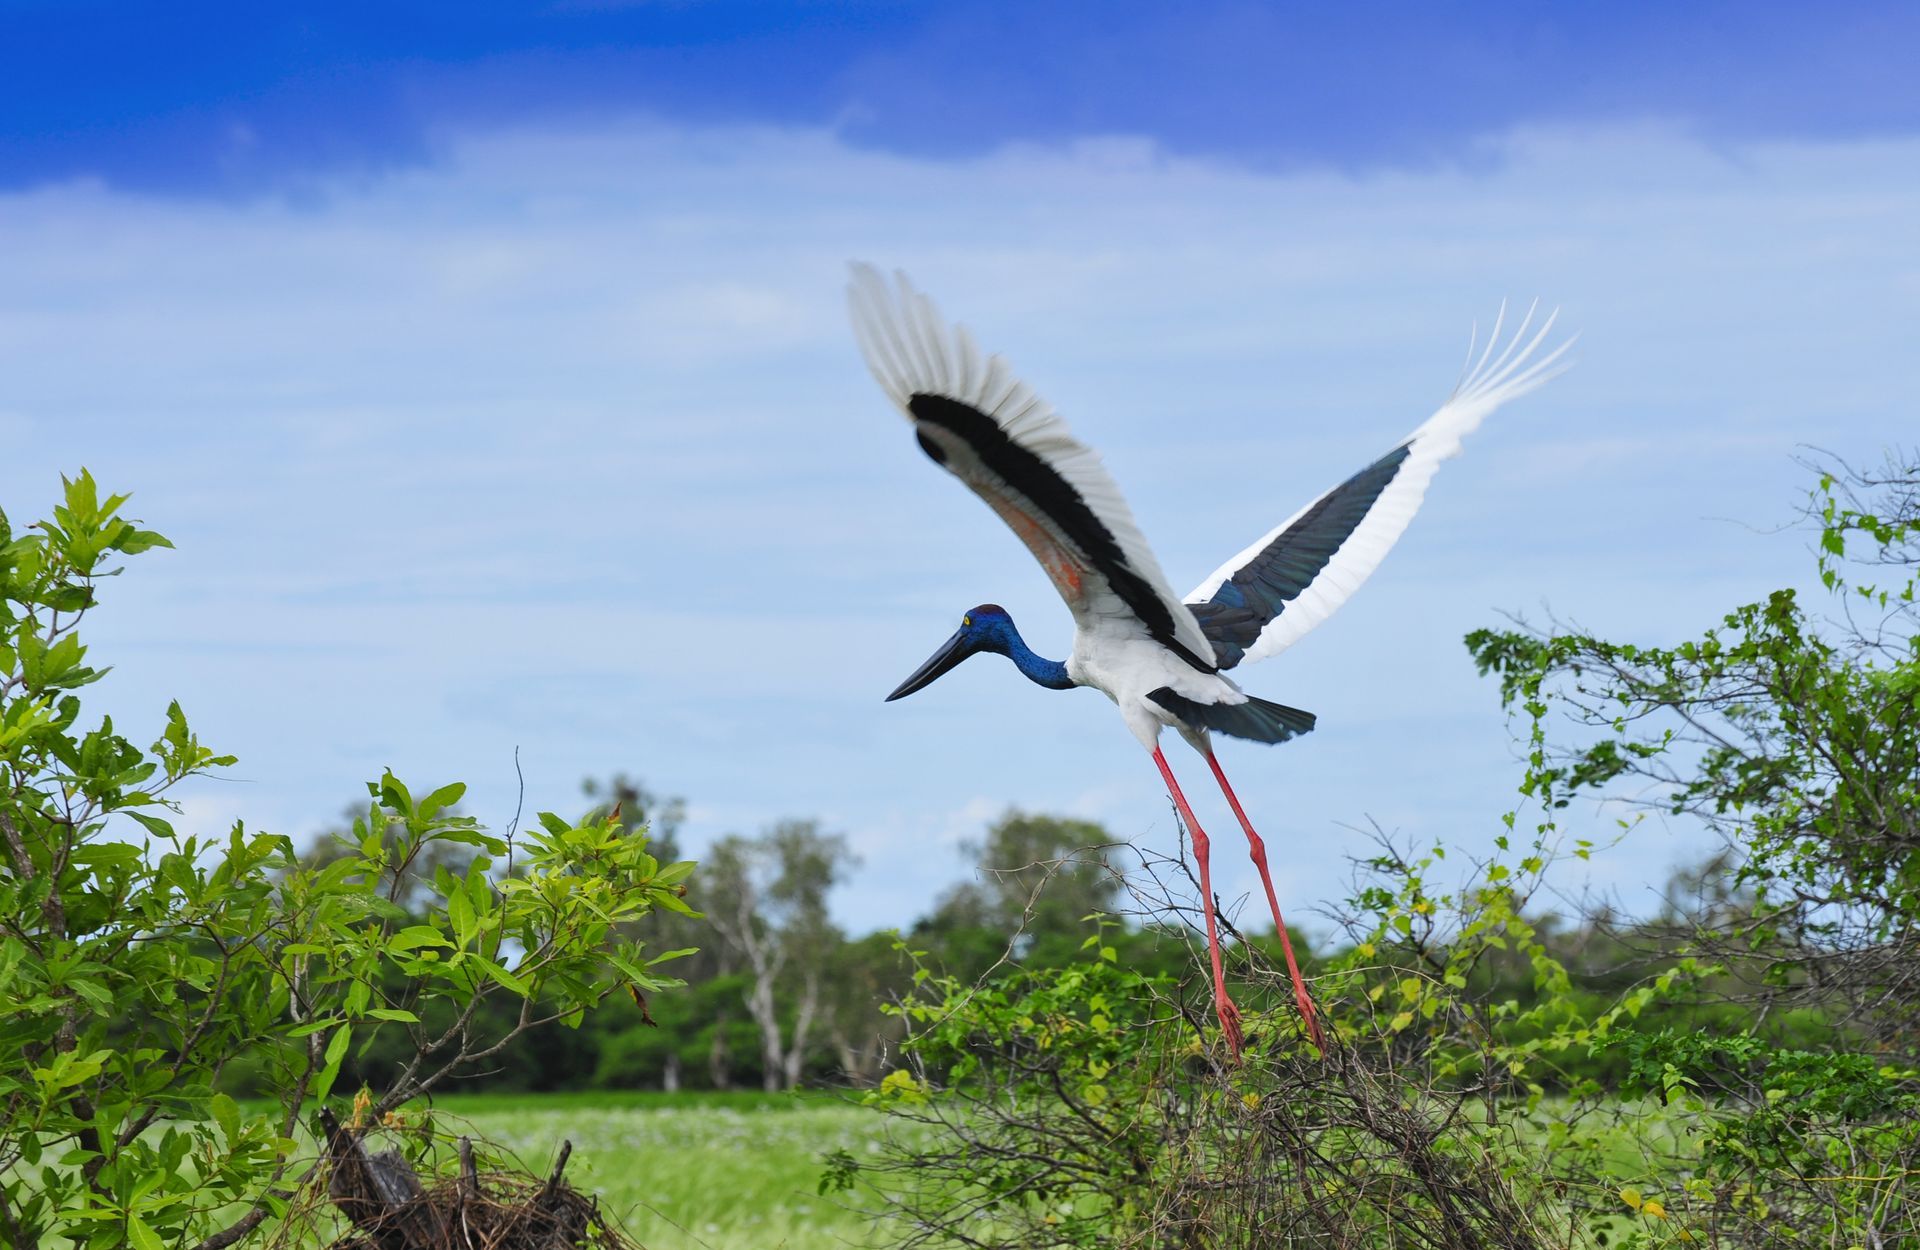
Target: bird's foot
<point>1318,1035</point>
<point>1230,1024</point>
<point>1312,1019</point>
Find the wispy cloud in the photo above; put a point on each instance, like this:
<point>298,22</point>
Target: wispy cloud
<point>560,443</point>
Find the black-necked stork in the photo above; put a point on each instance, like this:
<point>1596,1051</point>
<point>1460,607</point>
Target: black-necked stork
<point>1161,659</point>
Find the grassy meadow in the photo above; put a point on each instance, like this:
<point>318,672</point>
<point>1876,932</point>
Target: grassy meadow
<point>693,1171</point>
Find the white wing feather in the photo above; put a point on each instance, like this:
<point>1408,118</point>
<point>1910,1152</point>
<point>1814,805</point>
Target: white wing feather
<point>1489,383</point>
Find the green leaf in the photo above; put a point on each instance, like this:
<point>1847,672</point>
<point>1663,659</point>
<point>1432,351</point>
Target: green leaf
<point>674,874</point>
<point>227,1113</point>
<point>313,1026</point>
<point>674,903</point>
<point>505,978</point>
<point>415,936</point>
<point>154,825</point>
<point>135,541</point>
<point>71,1068</point>
<point>141,1237</point>
<point>446,796</point>
<point>336,1052</point>
<point>460,914</point>
<point>392,792</point>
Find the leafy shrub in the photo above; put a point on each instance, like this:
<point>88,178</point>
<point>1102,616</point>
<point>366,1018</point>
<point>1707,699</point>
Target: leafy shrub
<point>1093,1105</point>
<point>1796,738</point>
<point>139,963</point>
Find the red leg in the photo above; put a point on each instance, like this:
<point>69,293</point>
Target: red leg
<point>1222,1005</point>
<point>1259,850</point>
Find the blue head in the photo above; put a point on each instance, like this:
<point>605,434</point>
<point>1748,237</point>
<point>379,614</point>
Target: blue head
<point>985,628</point>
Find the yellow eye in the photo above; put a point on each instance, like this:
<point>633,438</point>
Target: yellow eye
<point>966,621</point>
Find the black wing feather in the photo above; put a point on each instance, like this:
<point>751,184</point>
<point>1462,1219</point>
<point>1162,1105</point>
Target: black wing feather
<point>1233,617</point>
<point>1033,477</point>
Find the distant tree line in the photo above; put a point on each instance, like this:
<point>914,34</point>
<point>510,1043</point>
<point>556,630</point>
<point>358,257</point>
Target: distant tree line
<point>779,995</point>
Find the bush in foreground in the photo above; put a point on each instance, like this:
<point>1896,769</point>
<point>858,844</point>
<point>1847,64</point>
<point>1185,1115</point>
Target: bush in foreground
<point>138,962</point>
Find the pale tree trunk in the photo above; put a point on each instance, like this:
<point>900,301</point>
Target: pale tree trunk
<point>850,1064</point>
<point>761,1006</point>
<point>859,1064</point>
<point>764,960</point>
<point>802,1026</point>
<point>719,1067</point>
<point>771,911</point>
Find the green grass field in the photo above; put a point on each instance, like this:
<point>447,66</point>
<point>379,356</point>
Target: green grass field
<point>719,1171</point>
<point>740,1171</point>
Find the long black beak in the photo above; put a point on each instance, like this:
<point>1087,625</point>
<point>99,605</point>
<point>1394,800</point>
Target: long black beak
<point>951,652</point>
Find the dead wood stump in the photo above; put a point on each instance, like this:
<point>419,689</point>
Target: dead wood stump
<point>389,1209</point>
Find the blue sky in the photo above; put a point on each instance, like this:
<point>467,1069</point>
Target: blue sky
<point>235,97</point>
<point>490,371</point>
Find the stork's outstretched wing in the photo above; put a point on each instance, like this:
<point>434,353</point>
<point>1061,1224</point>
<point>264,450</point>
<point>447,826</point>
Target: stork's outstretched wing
<point>1264,599</point>
<point>987,428</point>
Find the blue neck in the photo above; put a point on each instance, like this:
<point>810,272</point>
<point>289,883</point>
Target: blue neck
<point>1049,673</point>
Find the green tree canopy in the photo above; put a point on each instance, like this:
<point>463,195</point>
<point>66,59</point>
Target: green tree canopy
<point>1037,878</point>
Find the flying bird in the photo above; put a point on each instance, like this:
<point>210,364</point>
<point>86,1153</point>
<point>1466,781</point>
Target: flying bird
<point>1163,660</point>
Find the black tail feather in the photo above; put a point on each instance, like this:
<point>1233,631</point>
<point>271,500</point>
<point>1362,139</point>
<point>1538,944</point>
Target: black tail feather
<point>1256,720</point>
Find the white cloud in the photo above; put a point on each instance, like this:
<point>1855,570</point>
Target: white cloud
<point>562,444</point>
